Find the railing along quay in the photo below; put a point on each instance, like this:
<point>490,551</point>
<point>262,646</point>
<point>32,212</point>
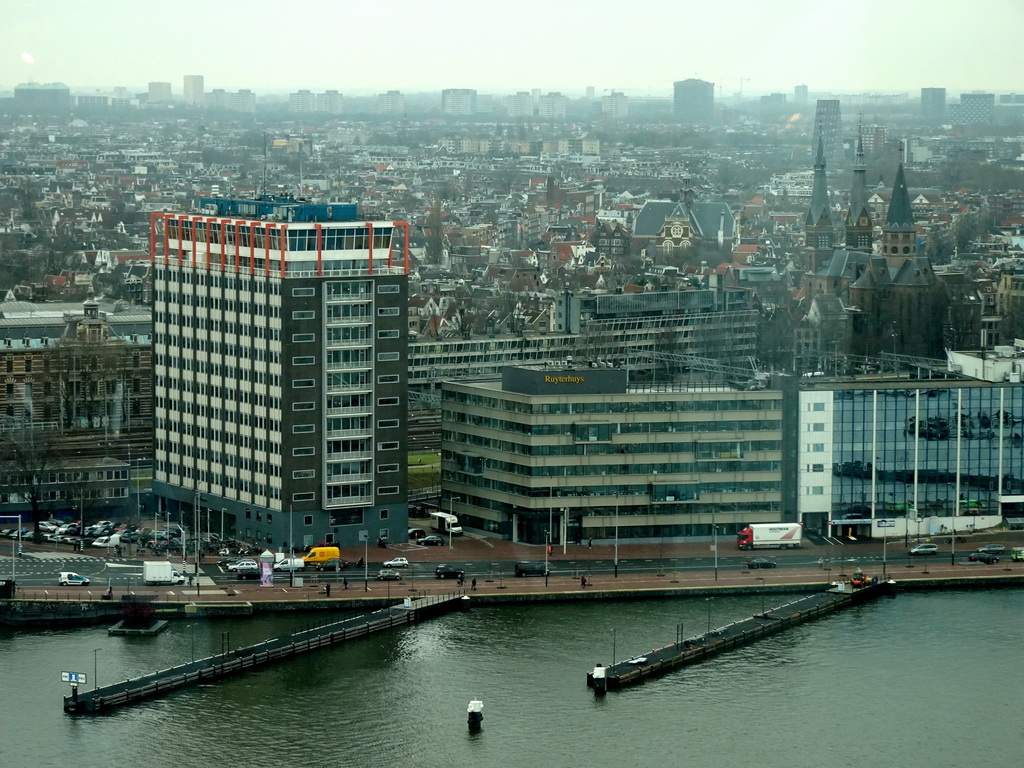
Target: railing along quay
<point>240,660</point>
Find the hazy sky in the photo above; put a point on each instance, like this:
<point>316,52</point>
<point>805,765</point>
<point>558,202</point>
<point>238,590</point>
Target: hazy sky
<point>639,46</point>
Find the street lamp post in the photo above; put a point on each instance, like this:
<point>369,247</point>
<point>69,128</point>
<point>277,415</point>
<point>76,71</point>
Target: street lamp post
<point>761,579</point>
<point>547,547</point>
<point>714,540</point>
<point>708,601</point>
<point>14,543</point>
<point>616,541</point>
<point>451,511</point>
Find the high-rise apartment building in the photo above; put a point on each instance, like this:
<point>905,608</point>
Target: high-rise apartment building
<point>974,109</point>
<point>552,106</point>
<point>391,103</point>
<point>159,93</point>
<point>520,105</point>
<point>458,101</point>
<point>302,102</point>
<point>615,106</point>
<point>933,104</point>
<point>828,126</point>
<point>280,370</point>
<point>694,101</point>
<point>329,102</point>
<point>800,94</point>
<point>193,90</point>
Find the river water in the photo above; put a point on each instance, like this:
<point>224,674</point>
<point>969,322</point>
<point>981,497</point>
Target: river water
<point>927,679</point>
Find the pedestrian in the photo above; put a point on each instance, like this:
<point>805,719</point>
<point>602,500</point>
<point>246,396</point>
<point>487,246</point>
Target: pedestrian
<point>190,577</point>
<point>473,583</point>
<point>328,590</point>
<point>821,562</point>
<point>344,582</point>
<point>583,581</point>
<point>590,543</point>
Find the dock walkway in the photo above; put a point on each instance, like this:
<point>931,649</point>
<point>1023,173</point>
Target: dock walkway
<point>243,659</point>
<point>684,652</point>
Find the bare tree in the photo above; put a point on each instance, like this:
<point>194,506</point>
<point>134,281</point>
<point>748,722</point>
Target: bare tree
<point>26,457</point>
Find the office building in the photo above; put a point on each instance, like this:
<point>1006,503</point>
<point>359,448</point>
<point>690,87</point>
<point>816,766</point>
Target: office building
<point>828,127</point>
<point>458,101</point>
<point>193,90</point>
<point>563,454</point>
<point>42,99</point>
<point>800,94</point>
<point>933,104</point>
<point>694,101</point>
<point>280,370</point>
<point>974,109</point>
<point>159,93</point>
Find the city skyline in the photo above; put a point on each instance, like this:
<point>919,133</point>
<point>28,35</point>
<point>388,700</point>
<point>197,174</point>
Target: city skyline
<point>761,48</point>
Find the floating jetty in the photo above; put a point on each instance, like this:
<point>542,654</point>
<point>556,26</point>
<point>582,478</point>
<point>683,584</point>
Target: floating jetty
<point>683,653</point>
<point>241,660</point>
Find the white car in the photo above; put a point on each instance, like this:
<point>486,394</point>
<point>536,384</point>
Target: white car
<point>70,579</point>
<point>396,562</point>
<point>103,541</point>
<point>243,564</point>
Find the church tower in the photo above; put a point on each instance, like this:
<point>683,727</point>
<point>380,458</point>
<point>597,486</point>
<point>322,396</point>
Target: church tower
<point>819,229</point>
<point>899,235</point>
<point>858,218</point>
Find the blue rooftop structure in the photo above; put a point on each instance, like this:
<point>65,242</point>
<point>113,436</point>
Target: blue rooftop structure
<point>278,208</point>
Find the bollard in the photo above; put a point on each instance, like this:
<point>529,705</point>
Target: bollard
<point>475,715</point>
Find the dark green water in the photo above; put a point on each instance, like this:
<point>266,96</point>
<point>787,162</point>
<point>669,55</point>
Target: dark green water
<point>922,680</point>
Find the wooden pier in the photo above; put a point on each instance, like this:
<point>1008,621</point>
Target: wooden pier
<point>683,653</point>
<point>252,657</point>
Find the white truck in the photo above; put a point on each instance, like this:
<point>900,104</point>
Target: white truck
<point>160,572</point>
<point>442,522</point>
<point>770,536</point>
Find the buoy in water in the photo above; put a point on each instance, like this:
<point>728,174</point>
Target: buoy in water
<point>475,715</point>
<point>600,682</point>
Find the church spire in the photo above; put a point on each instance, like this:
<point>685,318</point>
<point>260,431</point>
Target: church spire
<point>818,225</point>
<point>899,234</point>
<point>858,218</point>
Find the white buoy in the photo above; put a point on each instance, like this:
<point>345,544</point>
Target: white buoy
<point>475,714</point>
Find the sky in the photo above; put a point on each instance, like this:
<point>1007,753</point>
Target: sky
<point>636,46</point>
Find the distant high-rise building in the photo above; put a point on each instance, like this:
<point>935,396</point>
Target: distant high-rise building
<point>694,101</point>
<point>873,138</point>
<point>800,94</point>
<point>329,102</point>
<point>34,98</point>
<point>303,102</point>
<point>458,101</point>
<point>552,106</point>
<point>520,105</point>
<point>615,106</point>
<point>159,93</point>
<point>193,90</point>
<point>828,126</point>
<point>391,103</point>
<point>974,109</point>
<point>242,101</point>
<point>933,104</point>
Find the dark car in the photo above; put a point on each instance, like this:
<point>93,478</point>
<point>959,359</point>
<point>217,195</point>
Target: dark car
<point>448,572</point>
<point>760,562</point>
<point>992,549</point>
<point>247,572</point>
<point>334,564</point>
<point>529,568</point>
<point>983,557</point>
<point>431,541</point>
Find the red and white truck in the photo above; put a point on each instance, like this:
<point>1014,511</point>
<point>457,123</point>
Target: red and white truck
<point>770,536</point>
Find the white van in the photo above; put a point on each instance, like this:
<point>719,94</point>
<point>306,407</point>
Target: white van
<point>290,564</point>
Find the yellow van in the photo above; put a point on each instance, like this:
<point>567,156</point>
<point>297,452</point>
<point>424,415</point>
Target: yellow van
<point>317,556</point>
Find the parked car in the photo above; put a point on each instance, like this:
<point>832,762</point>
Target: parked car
<point>71,579</point>
<point>760,562</point>
<point>530,568</point>
<point>290,564</point>
<point>247,571</point>
<point>396,562</point>
<point>444,571</point>
<point>388,574</point>
<point>431,541</point>
<point>983,557</point>
<point>924,549</point>
<point>992,549</point>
